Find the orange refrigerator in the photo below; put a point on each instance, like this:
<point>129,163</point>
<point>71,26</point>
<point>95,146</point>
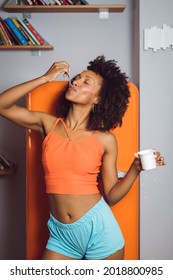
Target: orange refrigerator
<point>126,211</point>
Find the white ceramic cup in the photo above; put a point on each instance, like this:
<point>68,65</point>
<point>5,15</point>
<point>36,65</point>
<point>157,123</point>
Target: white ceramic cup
<point>148,159</point>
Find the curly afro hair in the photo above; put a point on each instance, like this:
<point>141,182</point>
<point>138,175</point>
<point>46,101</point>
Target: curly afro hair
<point>114,96</point>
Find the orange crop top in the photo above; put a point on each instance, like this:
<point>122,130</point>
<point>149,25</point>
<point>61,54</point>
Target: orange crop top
<point>71,166</point>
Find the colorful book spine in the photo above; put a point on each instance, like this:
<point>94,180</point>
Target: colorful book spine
<point>76,2</point>
<point>84,2</point>
<point>4,40</point>
<point>66,2</point>
<point>52,2</point>
<point>70,2</point>
<point>41,2</point>
<point>16,31</point>
<point>1,40</point>
<point>35,2</point>
<point>3,30</point>
<point>30,2</point>
<point>22,30</point>
<point>58,2</point>
<point>33,31</point>
<point>47,2</point>
<point>23,23</point>
<point>7,30</point>
<point>13,37</point>
<point>62,2</point>
<point>29,38</point>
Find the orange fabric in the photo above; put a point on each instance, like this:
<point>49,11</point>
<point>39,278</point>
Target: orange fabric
<point>71,166</point>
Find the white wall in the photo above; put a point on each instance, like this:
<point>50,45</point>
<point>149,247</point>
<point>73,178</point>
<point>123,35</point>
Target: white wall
<point>156,131</point>
<point>77,38</point>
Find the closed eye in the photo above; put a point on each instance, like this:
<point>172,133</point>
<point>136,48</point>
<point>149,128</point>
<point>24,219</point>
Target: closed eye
<point>88,81</point>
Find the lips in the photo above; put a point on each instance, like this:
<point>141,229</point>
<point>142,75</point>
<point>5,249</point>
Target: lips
<point>72,88</point>
<point>71,91</point>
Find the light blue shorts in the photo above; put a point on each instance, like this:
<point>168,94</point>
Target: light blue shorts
<point>95,236</point>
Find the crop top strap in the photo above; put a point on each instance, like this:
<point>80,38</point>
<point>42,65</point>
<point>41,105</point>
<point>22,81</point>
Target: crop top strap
<point>66,129</point>
<point>64,125</point>
<point>53,127</point>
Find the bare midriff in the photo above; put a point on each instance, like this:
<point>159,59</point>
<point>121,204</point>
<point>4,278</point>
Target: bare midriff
<point>69,208</point>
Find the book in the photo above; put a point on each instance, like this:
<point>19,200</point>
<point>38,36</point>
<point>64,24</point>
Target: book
<point>32,31</point>
<point>66,2</point>
<point>4,34</point>
<point>70,2</point>
<point>25,23</point>
<point>29,39</point>
<point>16,31</point>
<point>35,2</point>
<point>3,39</point>
<point>47,2</point>
<point>41,2</point>
<point>7,33</point>
<point>62,2</point>
<point>30,2</point>
<point>22,30</point>
<point>58,2</point>
<point>84,2</point>
<point>52,2</point>
<point>12,35</point>
<point>76,2</point>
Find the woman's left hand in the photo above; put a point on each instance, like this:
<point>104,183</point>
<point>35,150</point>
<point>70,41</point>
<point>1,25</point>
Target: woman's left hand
<point>160,160</point>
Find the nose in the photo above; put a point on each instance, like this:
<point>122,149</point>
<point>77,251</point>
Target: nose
<point>75,83</point>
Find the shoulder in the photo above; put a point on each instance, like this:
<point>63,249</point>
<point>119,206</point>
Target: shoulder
<point>108,140</point>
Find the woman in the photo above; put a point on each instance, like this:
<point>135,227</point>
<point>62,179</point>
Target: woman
<point>77,147</point>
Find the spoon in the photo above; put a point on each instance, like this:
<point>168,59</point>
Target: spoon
<point>69,80</point>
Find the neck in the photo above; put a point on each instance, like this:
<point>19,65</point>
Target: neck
<point>78,117</point>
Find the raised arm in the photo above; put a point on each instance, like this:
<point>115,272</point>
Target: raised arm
<point>20,115</point>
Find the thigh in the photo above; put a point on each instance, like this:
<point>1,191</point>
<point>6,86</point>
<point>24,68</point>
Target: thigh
<point>119,255</point>
<point>51,255</point>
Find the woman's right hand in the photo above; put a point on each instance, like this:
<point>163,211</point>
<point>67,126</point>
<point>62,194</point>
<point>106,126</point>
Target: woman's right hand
<point>56,69</point>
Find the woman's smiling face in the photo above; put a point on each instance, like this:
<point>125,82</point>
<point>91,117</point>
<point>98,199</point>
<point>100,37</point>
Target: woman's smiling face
<point>85,88</point>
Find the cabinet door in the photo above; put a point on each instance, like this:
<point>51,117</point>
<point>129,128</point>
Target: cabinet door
<point>126,212</point>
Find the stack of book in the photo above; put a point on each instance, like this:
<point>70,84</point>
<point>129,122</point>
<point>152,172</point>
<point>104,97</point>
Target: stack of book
<point>57,2</point>
<point>17,31</point>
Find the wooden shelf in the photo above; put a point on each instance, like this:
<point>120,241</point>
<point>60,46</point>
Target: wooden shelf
<point>32,48</point>
<point>7,171</point>
<point>10,7</point>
